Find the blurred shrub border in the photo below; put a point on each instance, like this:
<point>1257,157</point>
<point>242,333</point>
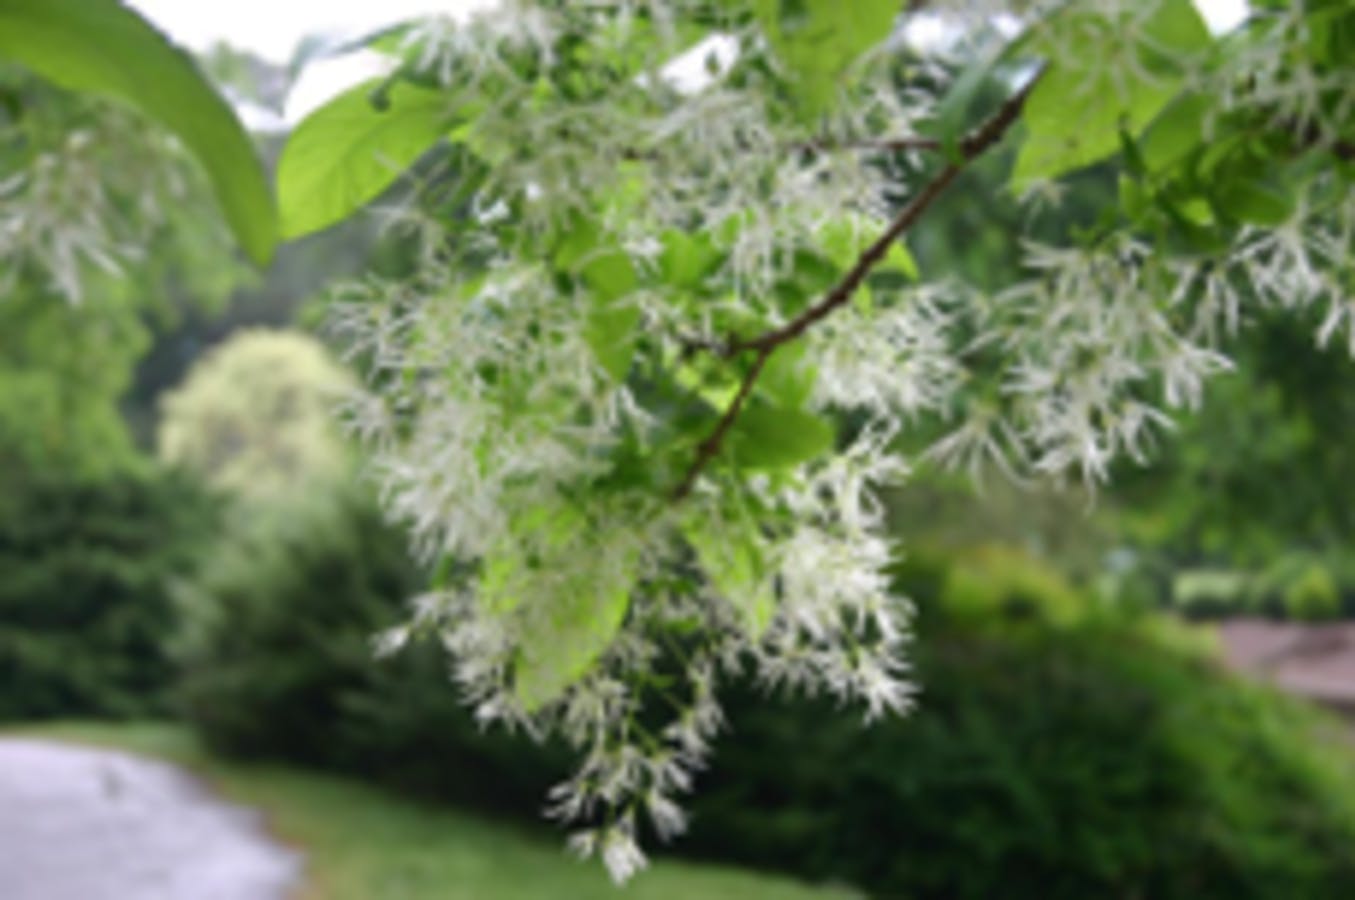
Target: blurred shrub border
<point>88,565</point>
<point>1060,749</point>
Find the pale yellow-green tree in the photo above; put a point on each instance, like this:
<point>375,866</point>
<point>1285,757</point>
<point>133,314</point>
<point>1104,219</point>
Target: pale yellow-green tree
<point>255,417</point>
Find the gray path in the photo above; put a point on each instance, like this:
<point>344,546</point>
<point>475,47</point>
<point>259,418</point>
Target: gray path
<point>84,824</point>
<point>1316,661</point>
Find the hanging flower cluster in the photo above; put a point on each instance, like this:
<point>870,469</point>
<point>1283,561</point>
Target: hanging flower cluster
<point>639,397</point>
<point>84,185</point>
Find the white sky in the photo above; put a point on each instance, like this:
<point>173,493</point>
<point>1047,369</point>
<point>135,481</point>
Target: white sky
<point>272,28</point>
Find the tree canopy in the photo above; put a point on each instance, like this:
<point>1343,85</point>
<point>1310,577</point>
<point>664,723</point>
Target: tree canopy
<point>254,417</point>
<point>665,338</point>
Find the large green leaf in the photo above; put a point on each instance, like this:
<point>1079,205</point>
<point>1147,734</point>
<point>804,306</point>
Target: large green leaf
<point>611,322</point>
<point>687,260</point>
<point>566,632</point>
<point>736,571</point>
<point>765,436</point>
<point>1121,76</point>
<point>1177,133</point>
<point>348,151</point>
<point>788,378</point>
<point>818,40</point>
<point>101,47</point>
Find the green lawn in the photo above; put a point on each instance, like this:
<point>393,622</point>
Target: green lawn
<point>362,843</point>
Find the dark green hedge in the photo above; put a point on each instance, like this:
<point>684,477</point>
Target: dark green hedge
<point>1052,754</point>
<point>1090,762</point>
<point>86,570</point>
<point>278,661</point>
<point>277,626</point>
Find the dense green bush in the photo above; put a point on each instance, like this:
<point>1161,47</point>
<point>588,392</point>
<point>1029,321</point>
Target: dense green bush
<point>1085,762</point>
<point>1053,754</point>
<point>277,625</point>
<point>86,566</point>
<point>1298,586</point>
<point>278,661</point>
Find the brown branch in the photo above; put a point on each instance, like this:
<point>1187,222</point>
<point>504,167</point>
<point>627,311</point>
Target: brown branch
<point>764,345</point>
<point>823,145</point>
<point>710,447</point>
<point>881,145</point>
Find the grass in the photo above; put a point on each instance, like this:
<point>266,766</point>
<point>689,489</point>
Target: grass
<point>362,843</point>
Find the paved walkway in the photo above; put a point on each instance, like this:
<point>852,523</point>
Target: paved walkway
<point>1313,661</point>
<point>84,824</point>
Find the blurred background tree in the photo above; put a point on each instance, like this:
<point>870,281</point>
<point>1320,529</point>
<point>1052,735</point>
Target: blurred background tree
<point>257,416</point>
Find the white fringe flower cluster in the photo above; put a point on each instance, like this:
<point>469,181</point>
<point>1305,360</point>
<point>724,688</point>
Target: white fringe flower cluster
<point>84,185</point>
<point>577,596</point>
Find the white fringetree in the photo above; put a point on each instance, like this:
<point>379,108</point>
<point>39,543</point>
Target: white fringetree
<point>664,334</point>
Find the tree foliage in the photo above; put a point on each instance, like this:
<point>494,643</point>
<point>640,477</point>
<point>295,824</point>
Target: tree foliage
<point>90,562</point>
<point>103,48</point>
<point>255,417</point>
<point>102,236</point>
<point>666,332</point>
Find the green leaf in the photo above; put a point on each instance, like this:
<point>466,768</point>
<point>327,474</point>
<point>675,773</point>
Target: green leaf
<point>348,151</point>
<point>1253,201</point>
<point>564,635</point>
<point>101,47</point>
<point>766,436</point>
<point>718,393</point>
<point>899,259</point>
<point>500,583</point>
<point>1134,200</point>
<point>1195,210</point>
<point>686,260</point>
<point>610,274</point>
<point>578,240</point>
<point>953,114</point>
<point>566,620</point>
<point>612,322</point>
<point>845,239</point>
<point>818,40</point>
<point>788,378</point>
<point>610,332</point>
<point>1084,101</point>
<point>736,571</point>
<point>1174,33</point>
<point>1176,133</point>
<point>506,577</point>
